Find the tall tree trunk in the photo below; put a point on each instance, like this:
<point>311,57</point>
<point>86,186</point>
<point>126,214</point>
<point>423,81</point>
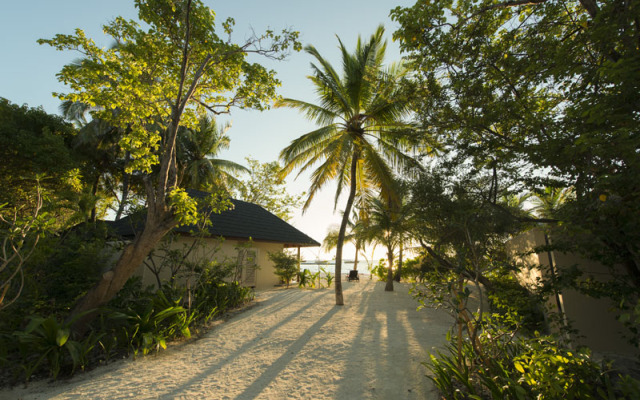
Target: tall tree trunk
<point>399,270</point>
<point>389,286</point>
<point>343,228</point>
<point>158,223</point>
<point>355,260</point>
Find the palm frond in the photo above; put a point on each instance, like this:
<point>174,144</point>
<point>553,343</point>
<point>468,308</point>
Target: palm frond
<point>320,115</point>
<point>364,101</point>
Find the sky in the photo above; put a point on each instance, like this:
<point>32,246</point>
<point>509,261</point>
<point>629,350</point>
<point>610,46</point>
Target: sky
<point>28,70</point>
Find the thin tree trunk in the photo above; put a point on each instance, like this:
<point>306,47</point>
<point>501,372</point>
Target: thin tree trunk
<point>399,270</point>
<point>355,260</point>
<point>94,193</point>
<point>343,228</point>
<point>460,309</point>
<point>389,286</point>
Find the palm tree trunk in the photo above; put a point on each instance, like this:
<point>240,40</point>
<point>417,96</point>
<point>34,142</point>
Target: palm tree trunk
<point>399,270</point>
<point>355,260</point>
<point>343,228</point>
<point>389,286</point>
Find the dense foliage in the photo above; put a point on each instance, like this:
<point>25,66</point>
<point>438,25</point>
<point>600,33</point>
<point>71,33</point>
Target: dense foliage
<point>539,94</point>
<point>521,368</point>
<point>139,320</point>
<point>286,265</point>
<point>532,97</point>
<point>36,150</point>
<point>166,72</point>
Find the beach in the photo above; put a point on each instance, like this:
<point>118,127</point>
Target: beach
<point>291,343</point>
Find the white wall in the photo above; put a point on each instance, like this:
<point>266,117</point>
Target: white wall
<point>226,250</point>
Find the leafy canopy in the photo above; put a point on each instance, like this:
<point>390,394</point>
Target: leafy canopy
<point>140,82</point>
<point>36,150</point>
<point>544,93</point>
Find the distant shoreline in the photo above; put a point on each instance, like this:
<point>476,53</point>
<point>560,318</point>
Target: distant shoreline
<point>347,265</point>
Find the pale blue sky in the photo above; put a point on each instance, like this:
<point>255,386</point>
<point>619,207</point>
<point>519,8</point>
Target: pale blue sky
<point>27,70</point>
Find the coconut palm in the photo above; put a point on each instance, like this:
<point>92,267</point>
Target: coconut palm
<point>97,144</point>
<point>331,240</point>
<point>547,203</point>
<point>196,151</point>
<point>359,140</point>
<point>387,225</point>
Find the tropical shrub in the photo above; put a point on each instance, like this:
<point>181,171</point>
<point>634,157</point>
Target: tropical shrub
<point>148,328</point>
<point>218,297</point>
<point>328,276</point>
<point>380,270</point>
<point>304,278</point>
<point>46,340</point>
<point>523,368</point>
<point>137,321</point>
<point>490,355</point>
<point>506,294</point>
<point>315,279</point>
<point>61,269</point>
<point>286,265</point>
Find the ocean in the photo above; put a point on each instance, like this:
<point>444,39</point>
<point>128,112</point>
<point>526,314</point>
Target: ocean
<point>329,266</point>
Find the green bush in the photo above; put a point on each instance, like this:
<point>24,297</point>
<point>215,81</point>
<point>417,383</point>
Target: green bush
<point>507,295</point>
<point>286,265</point>
<point>138,320</point>
<point>380,270</point>
<point>219,297</point>
<point>150,329</point>
<point>415,269</point>
<point>328,276</point>
<point>46,340</point>
<point>522,368</point>
<point>304,278</point>
<point>60,271</point>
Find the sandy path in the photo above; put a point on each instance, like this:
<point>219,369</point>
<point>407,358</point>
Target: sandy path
<point>292,344</point>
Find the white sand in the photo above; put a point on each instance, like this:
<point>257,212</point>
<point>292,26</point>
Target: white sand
<point>293,344</point>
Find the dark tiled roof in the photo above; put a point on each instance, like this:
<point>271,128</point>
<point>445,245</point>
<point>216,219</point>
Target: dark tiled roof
<point>245,220</point>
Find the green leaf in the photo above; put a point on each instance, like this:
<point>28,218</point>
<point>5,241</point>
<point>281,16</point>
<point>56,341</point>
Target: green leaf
<point>62,335</point>
<point>519,367</point>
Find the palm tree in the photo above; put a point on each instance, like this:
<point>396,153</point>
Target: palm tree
<point>387,226</point>
<point>359,138</point>
<point>197,167</point>
<point>547,203</point>
<point>97,143</point>
<point>331,240</point>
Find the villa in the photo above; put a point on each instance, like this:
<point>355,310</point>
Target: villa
<point>245,234</point>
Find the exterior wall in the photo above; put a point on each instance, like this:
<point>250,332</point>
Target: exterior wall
<point>222,251</point>
<point>592,317</point>
<point>524,243</point>
<point>266,278</point>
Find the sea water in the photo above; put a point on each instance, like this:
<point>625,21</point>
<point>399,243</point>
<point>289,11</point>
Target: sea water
<point>329,266</point>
